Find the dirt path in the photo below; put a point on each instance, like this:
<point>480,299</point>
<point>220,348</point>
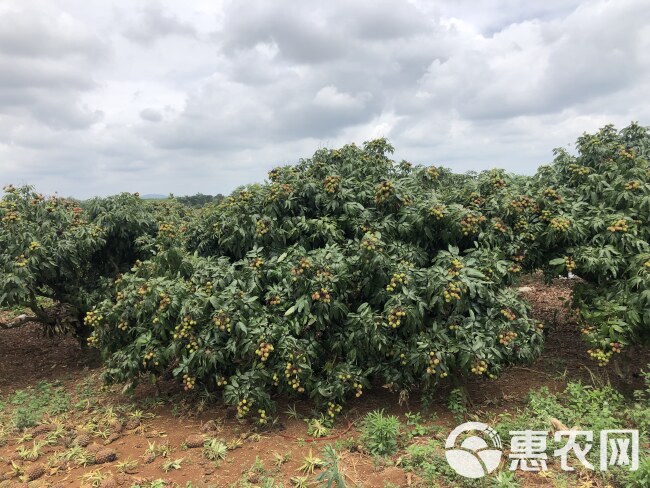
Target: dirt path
<point>26,359</point>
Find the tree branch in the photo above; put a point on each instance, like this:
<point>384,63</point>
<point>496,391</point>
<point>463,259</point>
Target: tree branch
<point>38,311</point>
<point>18,322</point>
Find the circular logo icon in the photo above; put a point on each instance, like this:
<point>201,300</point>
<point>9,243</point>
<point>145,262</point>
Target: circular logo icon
<point>474,458</point>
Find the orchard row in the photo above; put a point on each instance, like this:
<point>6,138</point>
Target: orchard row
<point>341,272</point>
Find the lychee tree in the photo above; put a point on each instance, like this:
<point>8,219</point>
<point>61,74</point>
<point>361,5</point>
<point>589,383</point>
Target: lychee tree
<point>58,256</point>
<point>596,205</point>
<point>343,271</point>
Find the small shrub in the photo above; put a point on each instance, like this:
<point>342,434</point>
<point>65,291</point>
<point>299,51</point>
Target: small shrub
<point>641,477</point>
<point>380,433</point>
<point>428,461</point>
<point>505,479</point>
<point>456,403</point>
<point>331,477</point>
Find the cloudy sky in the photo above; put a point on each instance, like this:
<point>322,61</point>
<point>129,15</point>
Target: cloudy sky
<point>202,95</point>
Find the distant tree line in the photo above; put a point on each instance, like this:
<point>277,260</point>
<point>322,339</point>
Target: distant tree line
<point>199,200</point>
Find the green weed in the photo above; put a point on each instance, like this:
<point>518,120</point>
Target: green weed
<point>380,433</point>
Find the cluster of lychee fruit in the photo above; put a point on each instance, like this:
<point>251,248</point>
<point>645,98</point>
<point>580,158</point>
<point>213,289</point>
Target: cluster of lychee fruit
<point>508,314</point>
<point>11,216</point>
<point>552,194</point>
<point>262,227</point>
<point>264,351</point>
<point>395,317</point>
<point>262,416</point>
<point>384,191</point>
<point>292,371</point>
<point>545,216</point>
<point>456,266</point>
<point>192,346</point>
<point>188,382</point>
<point>243,407</point>
<point>624,153</point>
<point>437,211</point>
<point>325,274</point>
<point>452,292</point>
<point>521,225</point>
<point>579,170</point>
<point>396,280</point>
<point>433,172</point>
<point>497,182</point>
<point>322,295</point>
<point>434,361</point>
<point>21,261</point>
<point>476,199</point>
<point>165,301</point>
<point>617,347</point>
<point>299,270</point>
<point>222,321</point>
<point>619,225</point>
<point>280,191</point>
<point>601,356</point>
<point>570,264</point>
<point>560,224</point>
<point>333,409</point>
<point>92,340</point>
<point>184,329</point>
<point>167,229</point>
<point>522,203</point>
<point>93,318</point>
<point>370,242</point>
<point>469,224</point>
<point>245,195</point>
<point>506,338</point>
<point>587,329</point>
<point>480,367</point>
<point>332,183</point>
<point>150,356</point>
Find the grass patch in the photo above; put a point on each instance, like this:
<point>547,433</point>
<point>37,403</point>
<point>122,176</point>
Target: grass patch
<point>29,406</point>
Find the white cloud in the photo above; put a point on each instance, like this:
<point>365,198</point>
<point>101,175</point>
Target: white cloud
<point>154,23</point>
<point>205,96</point>
<point>330,97</point>
<point>151,114</point>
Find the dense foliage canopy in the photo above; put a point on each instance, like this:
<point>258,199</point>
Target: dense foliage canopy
<point>344,271</point>
<point>59,257</point>
<point>603,196</point>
